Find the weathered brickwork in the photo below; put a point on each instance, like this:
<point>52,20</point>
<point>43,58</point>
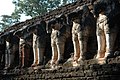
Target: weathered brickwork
<point>88,71</point>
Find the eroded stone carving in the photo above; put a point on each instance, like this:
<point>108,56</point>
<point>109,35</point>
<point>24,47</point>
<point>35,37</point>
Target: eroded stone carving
<point>83,26</point>
<point>25,44</point>
<point>107,27</point>
<point>2,52</point>
<point>11,49</point>
<point>60,32</point>
<point>39,42</point>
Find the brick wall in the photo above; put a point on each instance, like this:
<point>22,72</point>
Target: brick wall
<point>90,70</point>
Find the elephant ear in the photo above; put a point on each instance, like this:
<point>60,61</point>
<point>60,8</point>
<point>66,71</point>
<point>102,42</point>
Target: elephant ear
<point>50,25</point>
<point>96,9</point>
<point>69,18</point>
<point>85,9</point>
<point>17,33</point>
<point>41,27</point>
<point>7,34</point>
<point>3,36</point>
<point>43,23</point>
<point>20,33</point>
<point>73,16</point>
<point>63,18</point>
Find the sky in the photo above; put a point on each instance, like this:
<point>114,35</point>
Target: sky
<point>7,7</point>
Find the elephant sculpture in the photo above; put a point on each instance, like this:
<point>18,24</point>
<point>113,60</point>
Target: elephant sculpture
<point>60,31</point>
<point>83,27</point>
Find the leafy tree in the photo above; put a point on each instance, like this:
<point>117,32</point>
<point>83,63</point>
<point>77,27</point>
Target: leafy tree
<point>7,20</point>
<point>37,7</point>
<point>30,8</point>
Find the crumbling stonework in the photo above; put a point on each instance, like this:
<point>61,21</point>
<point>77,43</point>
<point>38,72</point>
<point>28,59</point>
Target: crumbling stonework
<point>88,70</point>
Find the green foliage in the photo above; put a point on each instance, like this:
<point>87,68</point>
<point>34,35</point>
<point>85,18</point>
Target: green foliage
<point>30,8</point>
<point>38,7</point>
<point>35,7</point>
<point>7,20</point>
